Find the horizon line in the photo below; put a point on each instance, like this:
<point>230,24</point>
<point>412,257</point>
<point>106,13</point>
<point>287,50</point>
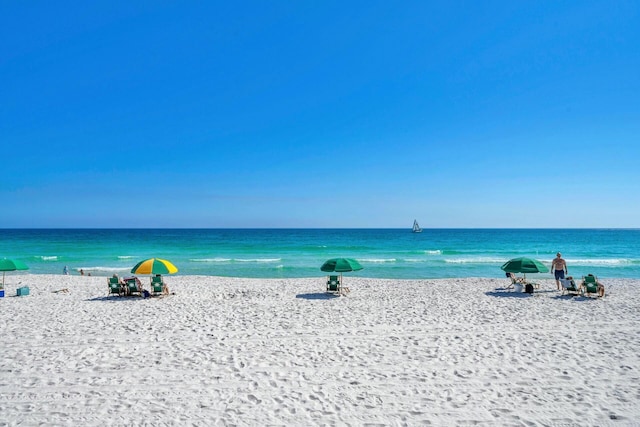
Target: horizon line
<point>318,228</point>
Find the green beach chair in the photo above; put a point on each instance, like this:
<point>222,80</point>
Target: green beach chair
<point>134,286</point>
<point>157,284</point>
<point>591,285</point>
<point>333,284</point>
<point>114,286</point>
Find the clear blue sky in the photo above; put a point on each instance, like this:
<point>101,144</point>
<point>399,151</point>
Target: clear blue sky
<point>320,114</point>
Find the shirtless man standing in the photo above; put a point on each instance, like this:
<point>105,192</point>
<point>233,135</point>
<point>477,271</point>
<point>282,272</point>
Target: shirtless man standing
<point>559,268</point>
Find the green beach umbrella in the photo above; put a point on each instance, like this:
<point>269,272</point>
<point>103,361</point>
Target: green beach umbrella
<point>154,266</point>
<point>524,265</point>
<point>11,265</point>
<point>340,265</point>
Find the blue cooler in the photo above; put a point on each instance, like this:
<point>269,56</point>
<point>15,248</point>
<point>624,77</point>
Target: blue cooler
<point>1,293</point>
<point>23,291</point>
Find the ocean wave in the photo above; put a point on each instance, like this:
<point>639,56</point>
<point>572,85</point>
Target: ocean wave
<point>610,262</point>
<point>378,260</point>
<point>102,269</point>
<point>235,259</point>
<point>433,252</point>
<point>475,260</point>
<point>125,256</point>
<point>414,260</point>
<point>48,258</point>
<point>444,252</point>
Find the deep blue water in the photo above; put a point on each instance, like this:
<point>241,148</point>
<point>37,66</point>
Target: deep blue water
<point>273,253</point>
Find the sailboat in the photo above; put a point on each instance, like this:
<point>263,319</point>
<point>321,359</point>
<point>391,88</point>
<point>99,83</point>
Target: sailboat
<point>416,227</point>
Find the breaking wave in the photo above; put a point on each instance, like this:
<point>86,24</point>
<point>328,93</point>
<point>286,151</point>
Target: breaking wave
<point>475,260</point>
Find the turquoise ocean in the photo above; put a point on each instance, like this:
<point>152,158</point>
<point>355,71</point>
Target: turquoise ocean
<point>292,253</point>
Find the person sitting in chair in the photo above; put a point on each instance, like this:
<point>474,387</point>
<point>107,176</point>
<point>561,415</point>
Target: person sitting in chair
<point>600,288</point>
<point>515,279</point>
<point>589,282</point>
<point>570,285</point>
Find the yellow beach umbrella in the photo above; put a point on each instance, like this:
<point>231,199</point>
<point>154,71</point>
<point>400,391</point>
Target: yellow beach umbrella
<point>154,266</point>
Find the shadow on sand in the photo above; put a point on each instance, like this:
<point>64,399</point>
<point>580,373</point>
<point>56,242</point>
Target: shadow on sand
<point>318,295</point>
<point>501,293</point>
<point>114,297</point>
<point>575,297</point>
<point>508,293</point>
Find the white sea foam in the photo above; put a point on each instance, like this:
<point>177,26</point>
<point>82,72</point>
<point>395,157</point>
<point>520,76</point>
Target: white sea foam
<point>235,260</point>
<point>125,256</point>
<point>433,252</point>
<point>48,258</point>
<point>611,262</point>
<point>377,260</point>
<point>475,260</point>
<point>103,269</point>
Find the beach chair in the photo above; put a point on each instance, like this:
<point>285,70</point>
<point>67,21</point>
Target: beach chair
<point>157,284</point>
<point>519,284</point>
<point>515,282</point>
<point>512,280</point>
<point>569,286</point>
<point>333,284</point>
<point>133,286</point>
<point>591,285</point>
<point>114,286</point>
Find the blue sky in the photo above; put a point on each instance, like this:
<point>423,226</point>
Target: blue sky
<point>320,114</point>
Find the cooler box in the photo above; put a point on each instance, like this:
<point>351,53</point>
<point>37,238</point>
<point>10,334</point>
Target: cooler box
<point>1,293</point>
<point>23,291</point>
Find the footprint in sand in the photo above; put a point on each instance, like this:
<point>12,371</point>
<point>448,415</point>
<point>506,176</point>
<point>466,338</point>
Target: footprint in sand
<point>253,399</point>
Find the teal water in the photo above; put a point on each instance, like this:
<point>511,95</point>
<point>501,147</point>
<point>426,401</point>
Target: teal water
<point>290,253</point>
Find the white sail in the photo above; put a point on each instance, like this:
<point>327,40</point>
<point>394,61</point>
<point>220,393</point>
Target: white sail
<point>416,227</point>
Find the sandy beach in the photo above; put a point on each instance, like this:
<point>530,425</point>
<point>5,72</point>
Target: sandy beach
<point>229,351</point>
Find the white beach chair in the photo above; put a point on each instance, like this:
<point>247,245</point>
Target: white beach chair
<point>569,286</point>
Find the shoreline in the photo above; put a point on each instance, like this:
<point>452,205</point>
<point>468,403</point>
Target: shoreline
<point>283,351</point>
<point>13,278</point>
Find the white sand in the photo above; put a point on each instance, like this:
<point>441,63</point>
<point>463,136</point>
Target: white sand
<point>280,352</point>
